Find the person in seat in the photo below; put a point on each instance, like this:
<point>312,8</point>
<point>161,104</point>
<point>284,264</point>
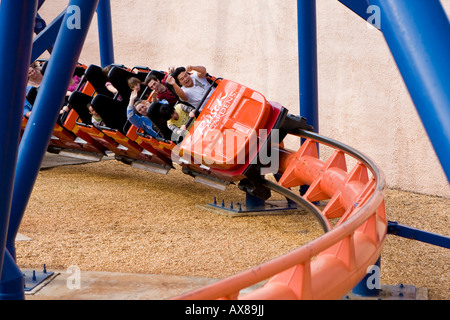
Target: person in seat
<point>178,116</point>
<point>34,80</point>
<point>96,119</point>
<point>159,90</point>
<point>190,84</point>
<point>137,114</point>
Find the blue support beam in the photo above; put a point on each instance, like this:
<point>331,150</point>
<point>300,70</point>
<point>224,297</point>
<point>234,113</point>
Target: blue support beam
<point>400,230</point>
<point>46,38</point>
<point>15,52</point>
<point>46,108</point>
<point>105,34</point>
<point>421,51</point>
<point>357,6</point>
<point>307,61</point>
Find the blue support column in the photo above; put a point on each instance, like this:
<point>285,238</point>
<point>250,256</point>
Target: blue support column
<point>46,108</point>
<point>15,52</point>
<point>307,61</point>
<point>105,32</point>
<point>46,38</point>
<point>421,50</point>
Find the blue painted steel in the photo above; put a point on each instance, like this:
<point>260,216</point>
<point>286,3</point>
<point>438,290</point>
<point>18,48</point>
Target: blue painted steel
<point>307,61</point>
<point>419,235</point>
<point>12,282</point>
<point>421,50</point>
<point>15,51</point>
<point>46,38</point>
<point>357,6</point>
<point>105,34</point>
<point>47,105</point>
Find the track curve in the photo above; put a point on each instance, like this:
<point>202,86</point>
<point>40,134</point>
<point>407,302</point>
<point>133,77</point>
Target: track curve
<point>331,265</point>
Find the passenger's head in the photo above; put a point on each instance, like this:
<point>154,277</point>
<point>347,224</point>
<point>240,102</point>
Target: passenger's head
<point>154,83</point>
<point>134,83</point>
<point>92,111</point>
<point>141,106</point>
<point>182,78</point>
<point>34,71</point>
<point>106,70</point>
<point>167,111</point>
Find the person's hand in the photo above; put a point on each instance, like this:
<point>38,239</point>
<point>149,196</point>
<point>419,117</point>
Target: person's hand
<point>170,80</point>
<point>183,127</point>
<point>133,96</point>
<point>189,69</point>
<point>192,114</point>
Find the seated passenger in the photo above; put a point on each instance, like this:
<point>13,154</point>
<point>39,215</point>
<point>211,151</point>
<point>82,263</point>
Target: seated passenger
<point>136,84</point>
<point>34,80</point>
<point>190,87</point>
<point>160,90</point>
<point>72,87</point>
<point>137,114</point>
<point>179,115</point>
<point>96,118</point>
<point>108,84</point>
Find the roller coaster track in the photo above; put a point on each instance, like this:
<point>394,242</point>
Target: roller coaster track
<point>334,263</point>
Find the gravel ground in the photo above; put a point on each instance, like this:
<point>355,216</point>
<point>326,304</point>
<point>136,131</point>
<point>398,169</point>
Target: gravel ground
<point>107,216</point>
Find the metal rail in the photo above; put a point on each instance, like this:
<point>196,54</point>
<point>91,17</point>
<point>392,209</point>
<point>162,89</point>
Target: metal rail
<point>331,265</point>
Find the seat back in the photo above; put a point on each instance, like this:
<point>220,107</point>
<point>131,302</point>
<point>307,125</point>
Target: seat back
<point>112,112</point>
<point>79,102</point>
<point>154,114</point>
<point>31,95</point>
<point>94,74</point>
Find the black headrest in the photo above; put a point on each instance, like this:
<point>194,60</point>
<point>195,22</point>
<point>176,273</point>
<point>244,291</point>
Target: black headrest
<point>112,112</point>
<point>94,74</point>
<point>79,70</point>
<point>159,74</point>
<point>154,114</point>
<point>31,95</point>
<point>79,102</point>
<point>44,67</point>
<point>119,79</point>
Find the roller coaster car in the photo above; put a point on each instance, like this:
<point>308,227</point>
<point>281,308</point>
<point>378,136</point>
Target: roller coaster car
<point>232,137</point>
<point>63,138</point>
<point>112,109</point>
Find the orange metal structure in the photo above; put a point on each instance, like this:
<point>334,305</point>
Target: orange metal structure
<point>330,266</point>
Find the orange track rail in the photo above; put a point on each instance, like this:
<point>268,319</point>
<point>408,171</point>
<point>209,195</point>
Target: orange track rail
<point>333,264</point>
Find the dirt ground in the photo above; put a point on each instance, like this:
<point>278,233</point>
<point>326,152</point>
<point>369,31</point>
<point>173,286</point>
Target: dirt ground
<point>108,216</point>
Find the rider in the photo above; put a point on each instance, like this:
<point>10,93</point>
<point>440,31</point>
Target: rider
<point>137,114</point>
<point>190,84</point>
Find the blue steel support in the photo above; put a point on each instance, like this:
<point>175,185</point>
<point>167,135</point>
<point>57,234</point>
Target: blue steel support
<point>415,234</point>
<point>421,50</point>
<point>46,108</point>
<point>46,38</point>
<point>15,52</point>
<point>357,6</point>
<point>105,34</point>
<point>307,61</point>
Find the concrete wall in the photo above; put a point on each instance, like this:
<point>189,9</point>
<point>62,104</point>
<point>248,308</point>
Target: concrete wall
<point>363,101</point>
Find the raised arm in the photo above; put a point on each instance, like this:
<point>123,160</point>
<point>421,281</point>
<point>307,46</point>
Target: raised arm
<point>201,71</point>
<point>181,94</point>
